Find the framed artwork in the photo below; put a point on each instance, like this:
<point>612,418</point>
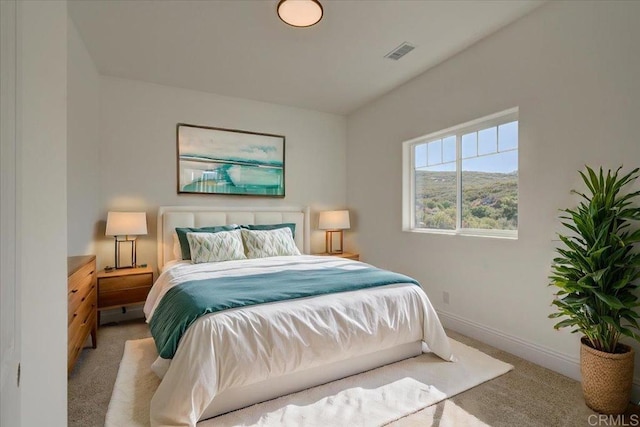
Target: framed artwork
<point>227,161</point>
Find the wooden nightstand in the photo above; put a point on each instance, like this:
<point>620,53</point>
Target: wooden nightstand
<point>123,288</point>
<point>349,255</point>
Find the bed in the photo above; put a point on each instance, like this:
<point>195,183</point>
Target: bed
<point>243,355</point>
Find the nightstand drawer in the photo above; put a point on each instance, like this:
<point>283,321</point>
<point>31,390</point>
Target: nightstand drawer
<point>122,297</point>
<point>112,284</point>
<point>123,288</point>
<point>347,255</point>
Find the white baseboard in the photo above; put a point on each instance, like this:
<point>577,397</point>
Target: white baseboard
<point>116,315</point>
<point>551,359</point>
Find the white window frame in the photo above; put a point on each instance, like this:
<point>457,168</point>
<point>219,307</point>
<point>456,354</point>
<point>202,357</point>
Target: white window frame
<point>408,175</point>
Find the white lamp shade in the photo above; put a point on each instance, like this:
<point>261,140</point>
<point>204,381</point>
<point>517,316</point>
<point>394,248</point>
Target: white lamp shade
<point>334,220</point>
<point>300,13</point>
<point>126,224</point>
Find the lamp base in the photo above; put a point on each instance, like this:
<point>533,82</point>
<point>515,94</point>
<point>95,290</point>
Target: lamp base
<point>126,258</point>
<point>329,242</point>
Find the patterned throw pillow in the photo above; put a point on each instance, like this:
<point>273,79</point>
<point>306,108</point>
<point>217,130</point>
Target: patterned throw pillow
<point>177,252</point>
<point>215,247</point>
<point>290,225</point>
<point>267,243</point>
<point>182,235</point>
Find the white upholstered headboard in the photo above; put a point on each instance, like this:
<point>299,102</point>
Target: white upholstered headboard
<point>170,217</point>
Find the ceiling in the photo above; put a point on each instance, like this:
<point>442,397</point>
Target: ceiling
<point>242,49</point>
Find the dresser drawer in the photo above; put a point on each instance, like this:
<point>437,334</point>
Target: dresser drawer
<point>81,295</point>
<point>80,327</point>
<point>82,305</point>
<point>111,284</point>
<point>77,340</point>
<point>80,282</point>
<point>72,354</point>
<point>80,275</point>
<point>88,306</point>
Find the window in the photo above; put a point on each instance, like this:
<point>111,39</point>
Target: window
<point>464,180</point>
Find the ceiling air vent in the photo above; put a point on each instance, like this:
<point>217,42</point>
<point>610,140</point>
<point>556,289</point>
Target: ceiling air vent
<point>400,51</point>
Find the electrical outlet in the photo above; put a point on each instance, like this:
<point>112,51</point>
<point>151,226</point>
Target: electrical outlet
<point>445,297</point>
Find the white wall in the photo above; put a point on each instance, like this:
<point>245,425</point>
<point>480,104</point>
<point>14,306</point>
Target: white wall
<point>572,68</point>
<point>42,210</point>
<point>83,138</point>
<point>138,153</point>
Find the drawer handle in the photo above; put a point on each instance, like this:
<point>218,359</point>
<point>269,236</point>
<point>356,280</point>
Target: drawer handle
<point>73,291</point>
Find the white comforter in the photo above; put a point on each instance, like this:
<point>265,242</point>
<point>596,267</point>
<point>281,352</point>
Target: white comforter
<point>243,346</point>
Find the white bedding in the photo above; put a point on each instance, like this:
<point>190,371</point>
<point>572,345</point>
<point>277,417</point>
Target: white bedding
<point>239,347</point>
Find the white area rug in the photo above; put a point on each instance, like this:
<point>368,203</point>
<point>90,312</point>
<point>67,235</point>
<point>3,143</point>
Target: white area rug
<point>373,398</point>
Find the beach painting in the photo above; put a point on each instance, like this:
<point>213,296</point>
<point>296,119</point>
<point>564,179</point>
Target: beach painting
<point>225,161</point>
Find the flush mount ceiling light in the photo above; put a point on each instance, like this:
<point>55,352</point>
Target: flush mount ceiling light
<point>300,13</point>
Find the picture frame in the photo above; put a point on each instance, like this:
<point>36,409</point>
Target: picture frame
<point>221,161</point>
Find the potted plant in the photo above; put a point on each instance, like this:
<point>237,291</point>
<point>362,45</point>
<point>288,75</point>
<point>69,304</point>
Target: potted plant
<point>596,273</point>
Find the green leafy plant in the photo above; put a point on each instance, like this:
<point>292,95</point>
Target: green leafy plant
<point>597,269</point>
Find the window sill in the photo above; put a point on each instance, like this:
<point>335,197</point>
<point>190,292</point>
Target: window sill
<point>494,234</point>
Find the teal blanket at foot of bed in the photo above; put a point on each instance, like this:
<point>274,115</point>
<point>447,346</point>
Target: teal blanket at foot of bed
<point>185,303</point>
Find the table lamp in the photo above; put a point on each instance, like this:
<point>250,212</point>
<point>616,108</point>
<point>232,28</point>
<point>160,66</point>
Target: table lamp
<point>125,227</point>
<point>334,222</point>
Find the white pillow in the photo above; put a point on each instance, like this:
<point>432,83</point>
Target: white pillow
<point>215,247</point>
<point>177,252</point>
<point>267,243</point>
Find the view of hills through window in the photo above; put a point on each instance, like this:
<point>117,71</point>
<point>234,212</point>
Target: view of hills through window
<point>489,180</point>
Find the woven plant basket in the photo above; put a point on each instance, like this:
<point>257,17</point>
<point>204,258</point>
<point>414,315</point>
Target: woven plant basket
<point>606,378</point>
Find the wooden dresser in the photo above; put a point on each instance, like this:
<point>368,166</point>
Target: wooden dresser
<point>82,305</point>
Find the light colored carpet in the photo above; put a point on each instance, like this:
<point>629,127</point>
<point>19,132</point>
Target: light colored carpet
<point>377,397</point>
